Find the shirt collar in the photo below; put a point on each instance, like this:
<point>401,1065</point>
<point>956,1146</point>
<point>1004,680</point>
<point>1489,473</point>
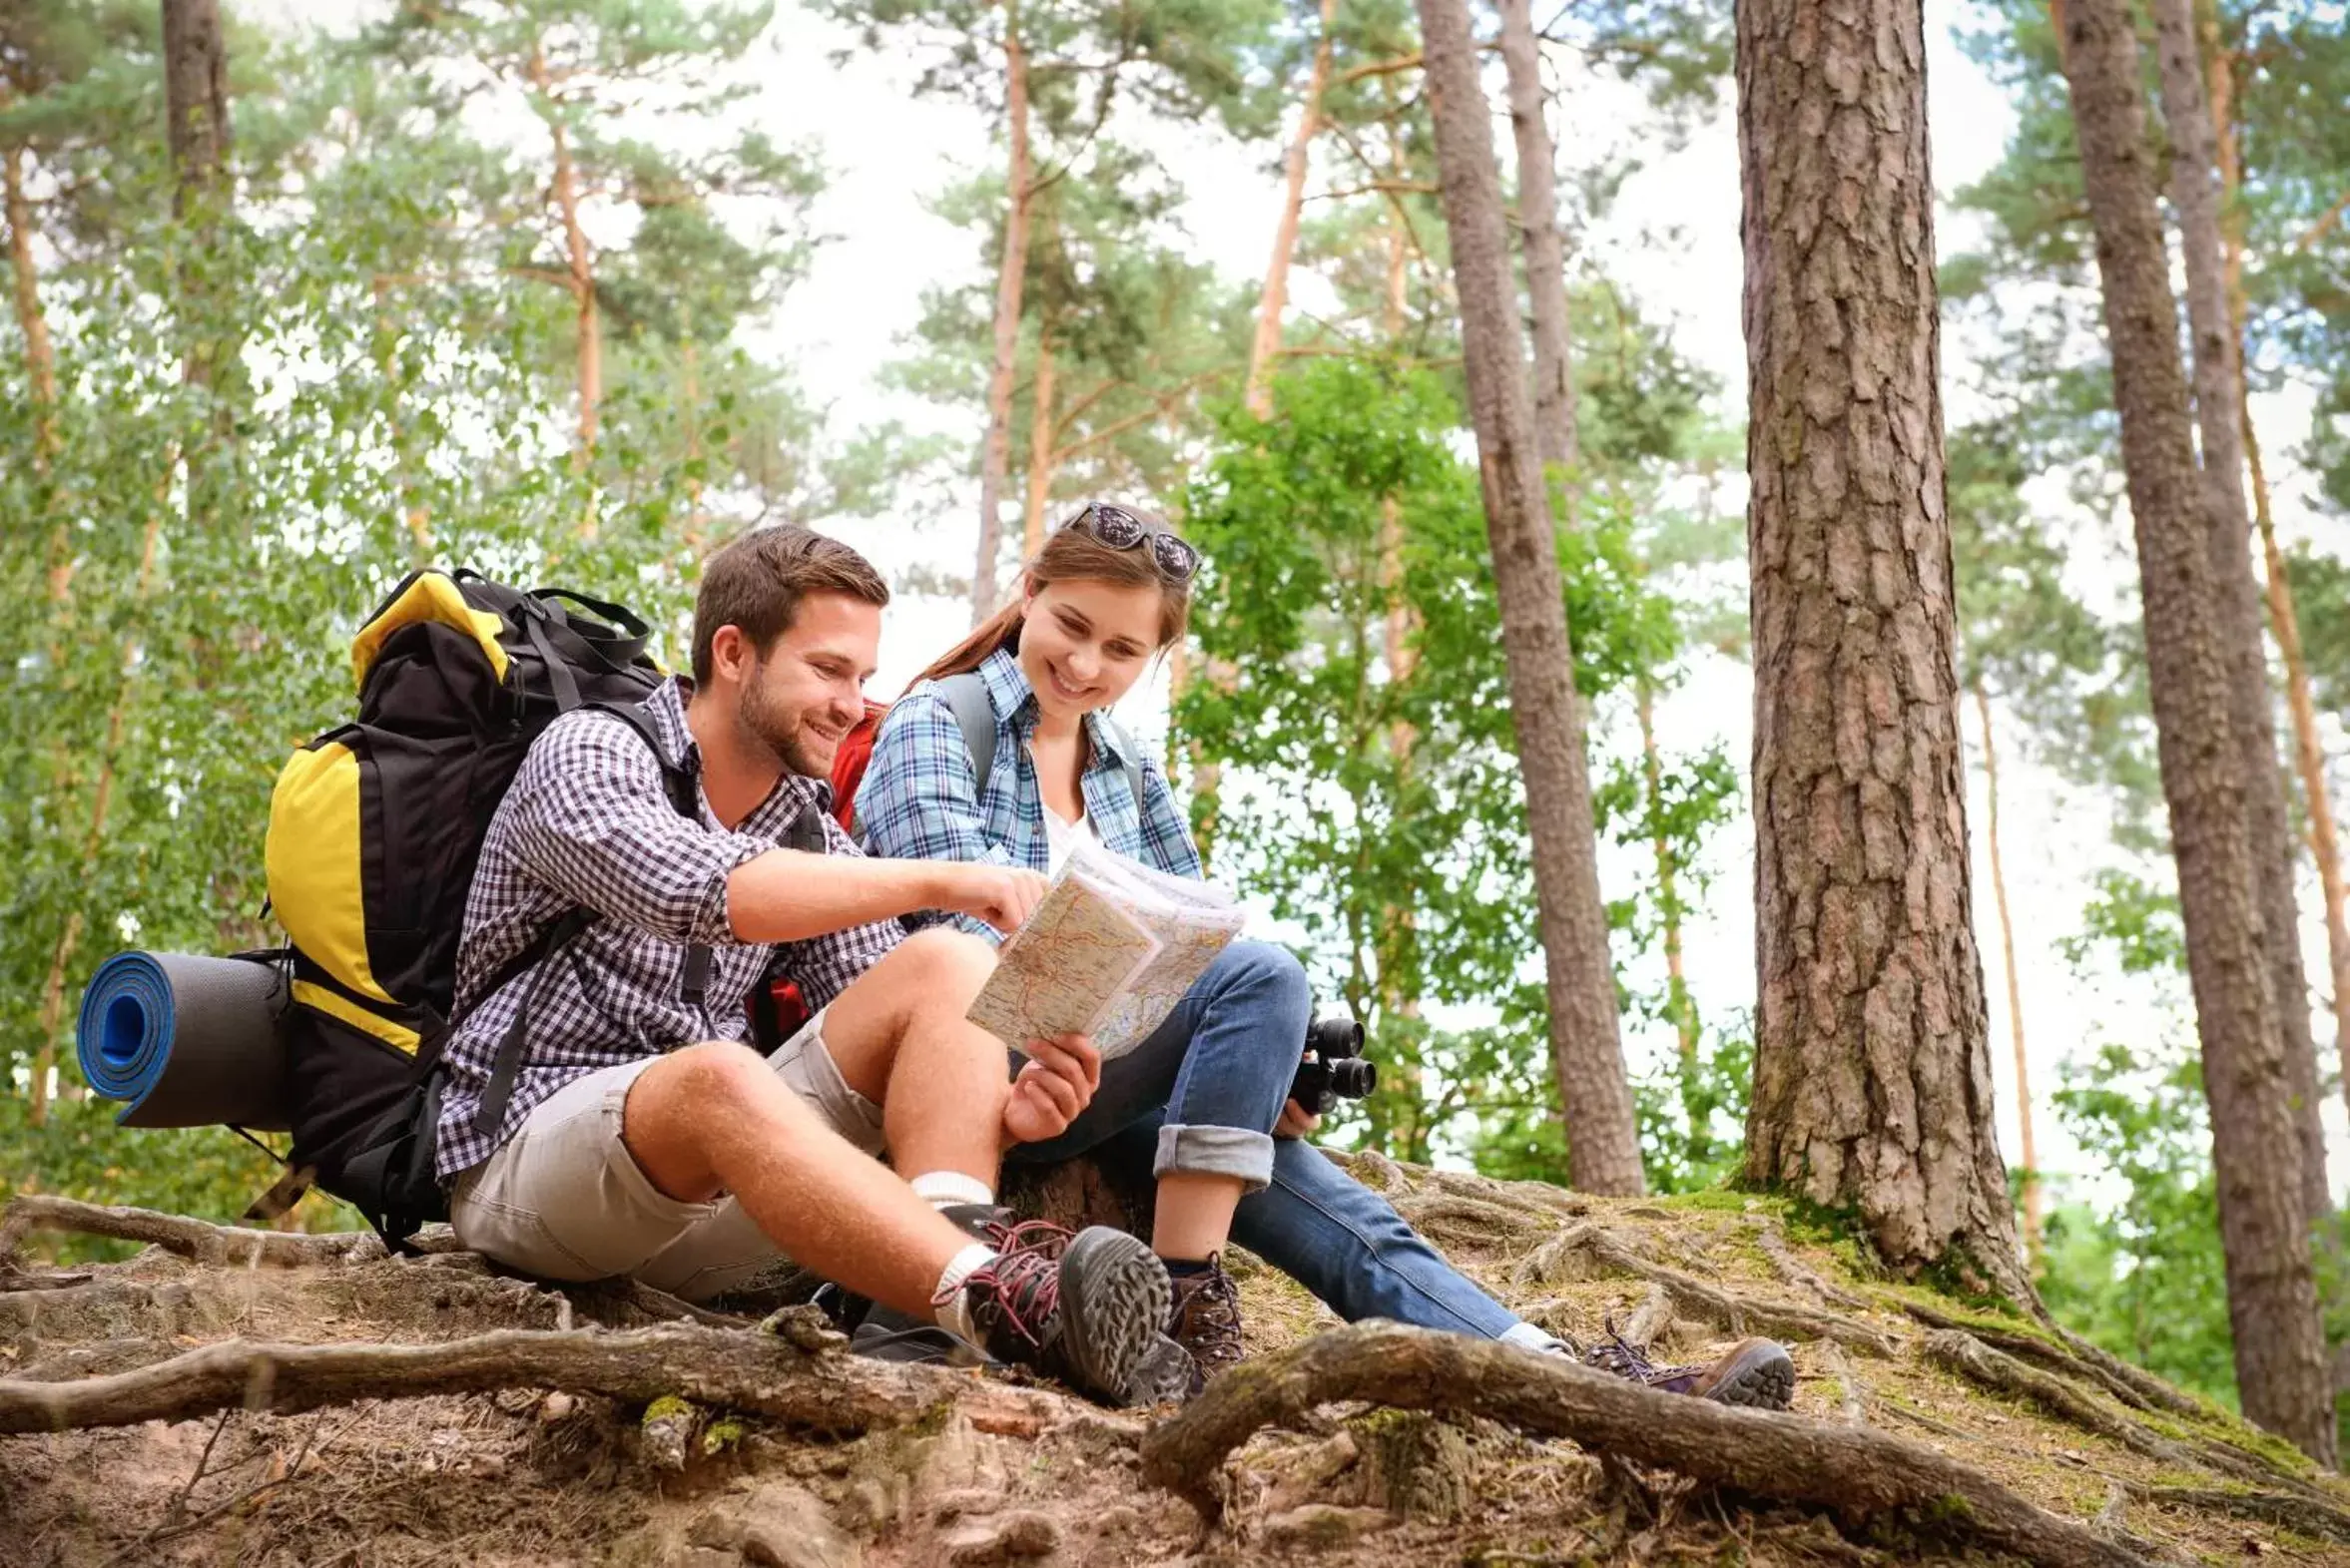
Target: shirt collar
<point>666,709</point>
<point>1013,699</point>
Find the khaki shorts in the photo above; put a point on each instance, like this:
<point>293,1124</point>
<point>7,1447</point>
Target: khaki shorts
<point>563,1197</point>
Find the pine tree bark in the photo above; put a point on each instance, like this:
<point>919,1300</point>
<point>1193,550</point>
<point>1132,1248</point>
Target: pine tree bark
<point>1545,709</point>
<point>580,271</point>
<point>1540,241</point>
<point>2280,1362</point>
<point>1999,897</point>
<point>1040,460</point>
<point>1274,296</point>
<point>1872,1079</point>
<point>2309,748</point>
<point>196,100</point>
<point>39,357</point>
<point>2217,379</point>
<point>1010,278</point>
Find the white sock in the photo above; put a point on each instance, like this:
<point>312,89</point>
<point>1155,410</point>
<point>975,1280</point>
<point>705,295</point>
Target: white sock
<point>941,1189</point>
<point>1527,1337</point>
<point>948,1305</point>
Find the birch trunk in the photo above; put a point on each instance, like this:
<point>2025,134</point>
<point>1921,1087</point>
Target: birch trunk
<point>1010,278</point>
<point>1545,709</point>
<point>2280,1361</point>
<point>40,358</point>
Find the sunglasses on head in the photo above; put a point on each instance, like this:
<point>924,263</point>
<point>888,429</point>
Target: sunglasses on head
<point>1123,530</point>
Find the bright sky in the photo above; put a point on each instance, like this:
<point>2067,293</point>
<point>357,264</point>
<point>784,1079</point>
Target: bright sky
<point>889,152</point>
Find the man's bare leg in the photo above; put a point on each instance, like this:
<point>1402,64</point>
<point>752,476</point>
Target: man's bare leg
<point>711,1119</point>
<point>900,1038</point>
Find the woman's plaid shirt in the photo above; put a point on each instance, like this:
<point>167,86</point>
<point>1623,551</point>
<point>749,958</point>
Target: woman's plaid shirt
<point>588,823</point>
<point>921,802</point>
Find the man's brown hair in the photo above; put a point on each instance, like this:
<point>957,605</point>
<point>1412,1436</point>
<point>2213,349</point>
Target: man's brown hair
<point>756,582</point>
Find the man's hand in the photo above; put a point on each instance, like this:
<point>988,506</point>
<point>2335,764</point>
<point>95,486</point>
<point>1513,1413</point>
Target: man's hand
<point>1296,1120</point>
<point>1002,895</point>
<point>1054,1085</point>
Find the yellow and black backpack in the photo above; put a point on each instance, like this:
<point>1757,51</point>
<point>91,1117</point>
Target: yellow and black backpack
<point>374,831</point>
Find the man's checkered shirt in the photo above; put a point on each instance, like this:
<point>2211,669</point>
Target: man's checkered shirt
<point>588,823</point>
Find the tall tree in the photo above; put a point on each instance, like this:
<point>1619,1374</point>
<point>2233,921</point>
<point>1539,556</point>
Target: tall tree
<point>2280,1359</point>
<point>1539,239</point>
<point>1871,1082</point>
<point>1587,1049</point>
<point>1274,298</point>
<point>2217,380</point>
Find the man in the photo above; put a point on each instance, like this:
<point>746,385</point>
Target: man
<point>639,1136</point>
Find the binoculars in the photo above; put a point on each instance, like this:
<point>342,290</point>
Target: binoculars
<point>1334,1067</point>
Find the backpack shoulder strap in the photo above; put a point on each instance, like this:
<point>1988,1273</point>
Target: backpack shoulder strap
<point>680,781</point>
<point>965,695</point>
<point>1131,756</point>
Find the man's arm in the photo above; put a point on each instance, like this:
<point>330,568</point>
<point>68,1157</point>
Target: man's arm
<point>789,895</point>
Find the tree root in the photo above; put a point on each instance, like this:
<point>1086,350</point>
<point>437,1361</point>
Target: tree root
<point>2156,1394</point>
<point>1474,1222</point>
<point>2294,1513</point>
<point>2032,1348</point>
<point>1792,1269</point>
<point>1848,1468</point>
<point>194,1239</point>
<point>1970,1358</point>
<point>1651,1318</point>
<point>753,1372</point>
<point>1691,1296</point>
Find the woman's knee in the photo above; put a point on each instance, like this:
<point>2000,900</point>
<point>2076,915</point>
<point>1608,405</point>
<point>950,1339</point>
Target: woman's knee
<point>1270,973</point>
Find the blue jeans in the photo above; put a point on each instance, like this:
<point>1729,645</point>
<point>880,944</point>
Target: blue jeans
<point>1202,1094</point>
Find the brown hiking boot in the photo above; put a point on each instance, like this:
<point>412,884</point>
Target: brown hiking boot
<point>1085,1308</point>
<point>1205,1321</point>
<point>1755,1373</point>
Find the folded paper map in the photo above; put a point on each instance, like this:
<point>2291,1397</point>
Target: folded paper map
<point>1110,952</point>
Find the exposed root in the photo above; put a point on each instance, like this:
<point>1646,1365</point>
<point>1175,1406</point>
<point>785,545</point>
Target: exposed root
<point>1651,1318</point>
<point>1852,1469</point>
<point>1792,1269</point>
<point>1473,1221</point>
<point>1852,1393</point>
<point>191,1239</point>
<point>2290,1509</point>
<point>2032,1348</point>
<point>1691,1296</point>
<point>2156,1394</point>
<point>755,1372</point>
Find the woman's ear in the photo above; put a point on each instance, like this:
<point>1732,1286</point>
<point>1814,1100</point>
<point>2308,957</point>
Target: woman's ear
<point>1027,592</point>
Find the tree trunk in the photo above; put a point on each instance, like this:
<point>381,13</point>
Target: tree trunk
<point>2255,1144</point>
<point>1012,275</point>
<point>101,805</point>
<point>2308,749</point>
<point>1999,895</point>
<point>1668,899</point>
<point>40,358</point>
<point>1040,461</point>
<point>2217,377</point>
<point>579,266</point>
<point>1274,296</point>
<point>196,122</point>
<point>1545,709</point>
<point>1395,644</point>
<point>196,99</point>
<point>1545,252</point>
<point>1872,1074</point>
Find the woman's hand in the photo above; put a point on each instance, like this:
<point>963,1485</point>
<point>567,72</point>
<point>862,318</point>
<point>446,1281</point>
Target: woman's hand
<point>1002,895</point>
<point>1053,1086</point>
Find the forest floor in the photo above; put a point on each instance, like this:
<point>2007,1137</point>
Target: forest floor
<point>532,1429</point>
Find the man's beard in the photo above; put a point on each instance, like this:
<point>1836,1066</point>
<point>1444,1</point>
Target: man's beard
<point>778,729</point>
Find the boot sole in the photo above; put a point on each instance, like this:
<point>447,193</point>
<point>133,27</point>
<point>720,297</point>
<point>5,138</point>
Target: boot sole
<point>1768,1385</point>
<point>1114,1298</point>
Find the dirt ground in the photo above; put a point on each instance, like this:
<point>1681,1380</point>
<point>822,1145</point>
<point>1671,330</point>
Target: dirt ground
<point>528,1476</point>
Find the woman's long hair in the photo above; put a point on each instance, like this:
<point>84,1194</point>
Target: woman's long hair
<point>1072,554</point>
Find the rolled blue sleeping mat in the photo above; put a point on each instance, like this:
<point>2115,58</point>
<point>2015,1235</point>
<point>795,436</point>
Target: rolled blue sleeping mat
<point>188,1041</point>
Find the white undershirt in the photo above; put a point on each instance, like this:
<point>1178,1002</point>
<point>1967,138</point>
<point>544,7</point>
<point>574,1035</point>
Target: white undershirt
<point>1061,836</point>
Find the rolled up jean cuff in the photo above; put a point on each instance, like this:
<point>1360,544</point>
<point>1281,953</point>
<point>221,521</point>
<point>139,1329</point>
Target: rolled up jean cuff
<point>1216,1151</point>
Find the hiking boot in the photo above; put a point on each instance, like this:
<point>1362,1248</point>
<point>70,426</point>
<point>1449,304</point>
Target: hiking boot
<point>1205,1321</point>
<point>1756,1373</point>
<point>1085,1308</point>
<point>887,1335</point>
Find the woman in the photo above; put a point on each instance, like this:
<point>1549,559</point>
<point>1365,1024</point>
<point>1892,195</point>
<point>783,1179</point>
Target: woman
<point>1206,1097</point>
